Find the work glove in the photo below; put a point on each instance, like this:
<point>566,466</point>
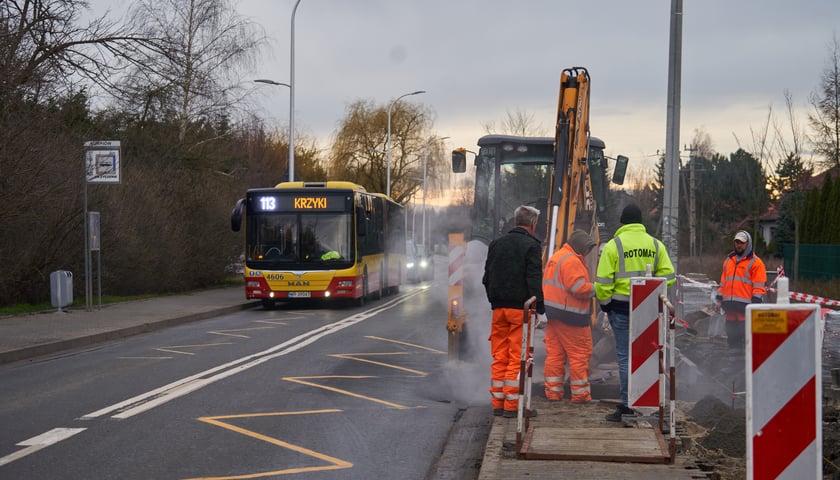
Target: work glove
<point>606,307</point>
<point>541,321</point>
<point>757,299</point>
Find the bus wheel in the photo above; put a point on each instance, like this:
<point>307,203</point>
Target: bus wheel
<point>361,300</point>
<point>380,292</point>
<point>269,304</point>
<point>396,288</point>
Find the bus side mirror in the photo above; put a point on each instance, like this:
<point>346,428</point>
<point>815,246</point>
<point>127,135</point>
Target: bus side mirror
<point>620,169</point>
<point>459,160</point>
<point>236,215</point>
<point>361,222</point>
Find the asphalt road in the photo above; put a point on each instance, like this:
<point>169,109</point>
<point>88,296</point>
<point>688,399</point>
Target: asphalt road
<point>317,393</point>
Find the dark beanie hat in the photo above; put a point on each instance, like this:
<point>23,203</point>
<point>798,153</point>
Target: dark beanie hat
<point>581,242</point>
<point>631,214</point>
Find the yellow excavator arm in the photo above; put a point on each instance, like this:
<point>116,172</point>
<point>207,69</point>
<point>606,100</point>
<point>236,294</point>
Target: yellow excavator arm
<point>570,201</point>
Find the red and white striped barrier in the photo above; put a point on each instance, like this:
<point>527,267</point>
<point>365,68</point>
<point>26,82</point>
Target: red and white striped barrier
<point>800,297</point>
<point>807,298</point>
<point>784,392</point>
<point>647,336</point>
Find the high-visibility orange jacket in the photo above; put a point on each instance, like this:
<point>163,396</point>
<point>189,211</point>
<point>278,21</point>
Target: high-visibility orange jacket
<point>742,281</point>
<point>567,288</point>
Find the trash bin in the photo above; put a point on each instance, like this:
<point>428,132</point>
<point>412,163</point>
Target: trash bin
<point>61,288</point>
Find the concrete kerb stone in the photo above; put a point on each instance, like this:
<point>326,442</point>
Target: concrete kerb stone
<point>105,336</point>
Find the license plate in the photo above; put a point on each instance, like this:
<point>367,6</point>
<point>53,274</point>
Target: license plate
<point>300,294</point>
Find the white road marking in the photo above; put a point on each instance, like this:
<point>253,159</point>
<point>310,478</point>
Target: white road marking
<point>145,358</point>
<point>40,441</point>
<point>227,332</point>
<point>153,398</point>
<point>171,349</point>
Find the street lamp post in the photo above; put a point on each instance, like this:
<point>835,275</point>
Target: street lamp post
<point>292,100</point>
<point>425,157</point>
<point>388,179</point>
<point>291,125</point>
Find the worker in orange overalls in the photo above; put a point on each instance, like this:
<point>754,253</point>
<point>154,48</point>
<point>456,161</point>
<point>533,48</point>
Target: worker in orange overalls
<point>743,280</point>
<point>568,294</point>
<point>512,275</point>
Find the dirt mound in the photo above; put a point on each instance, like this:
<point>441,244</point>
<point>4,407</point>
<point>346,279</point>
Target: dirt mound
<point>725,427</point>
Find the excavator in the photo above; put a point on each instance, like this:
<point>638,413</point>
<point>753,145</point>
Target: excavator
<point>564,177</point>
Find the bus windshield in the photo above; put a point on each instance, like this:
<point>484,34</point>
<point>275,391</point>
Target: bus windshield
<point>299,240</point>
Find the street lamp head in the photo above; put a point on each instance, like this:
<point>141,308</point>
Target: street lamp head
<point>272,82</point>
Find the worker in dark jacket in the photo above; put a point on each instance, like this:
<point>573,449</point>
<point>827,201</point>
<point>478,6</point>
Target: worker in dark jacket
<point>512,275</point>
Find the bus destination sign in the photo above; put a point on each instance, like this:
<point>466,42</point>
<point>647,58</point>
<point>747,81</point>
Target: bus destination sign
<point>296,202</point>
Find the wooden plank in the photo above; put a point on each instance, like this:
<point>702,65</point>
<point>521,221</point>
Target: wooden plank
<point>595,444</point>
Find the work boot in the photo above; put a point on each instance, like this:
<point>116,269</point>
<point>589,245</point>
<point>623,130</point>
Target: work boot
<point>619,411</point>
<point>512,413</point>
<point>497,412</point>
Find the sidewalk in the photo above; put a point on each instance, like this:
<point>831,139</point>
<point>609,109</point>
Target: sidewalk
<point>28,336</point>
<point>32,335</point>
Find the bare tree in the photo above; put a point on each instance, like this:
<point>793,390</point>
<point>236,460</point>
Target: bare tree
<point>825,116</point>
<point>45,51</point>
<point>519,123</point>
<point>200,48</point>
<point>359,148</point>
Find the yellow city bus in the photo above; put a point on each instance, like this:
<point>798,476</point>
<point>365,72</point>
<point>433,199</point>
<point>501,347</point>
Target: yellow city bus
<point>324,240</point>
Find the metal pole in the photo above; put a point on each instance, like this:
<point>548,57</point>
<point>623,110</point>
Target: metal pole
<point>425,158</point>
<point>423,237</point>
<point>99,277</point>
<point>670,207</point>
<point>292,100</point>
<point>88,285</point>
<point>388,174</point>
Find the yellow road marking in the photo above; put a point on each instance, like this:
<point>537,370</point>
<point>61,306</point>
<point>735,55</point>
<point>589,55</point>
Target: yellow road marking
<point>345,392</point>
<point>334,463</point>
<point>171,349</point>
<point>405,343</point>
<point>353,356</point>
<point>225,332</point>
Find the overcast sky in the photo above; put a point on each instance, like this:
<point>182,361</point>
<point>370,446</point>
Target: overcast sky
<point>479,59</point>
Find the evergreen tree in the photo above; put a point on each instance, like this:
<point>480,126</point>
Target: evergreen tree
<point>826,211</point>
<point>789,172</point>
<point>833,225</point>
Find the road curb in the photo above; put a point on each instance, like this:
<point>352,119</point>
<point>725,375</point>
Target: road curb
<point>50,348</point>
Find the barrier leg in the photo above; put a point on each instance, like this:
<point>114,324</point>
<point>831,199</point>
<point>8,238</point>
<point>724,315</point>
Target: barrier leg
<point>523,405</point>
